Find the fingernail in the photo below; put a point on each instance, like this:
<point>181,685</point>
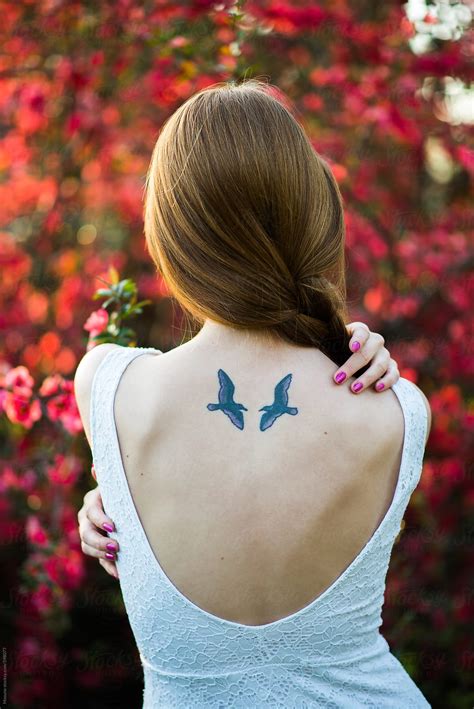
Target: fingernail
<point>111,547</point>
<point>340,377</point>
<point>379,386</point>
<point>355,346</point>
<point>108,527</point>
<point>109,555</point>
<point>357,386</point>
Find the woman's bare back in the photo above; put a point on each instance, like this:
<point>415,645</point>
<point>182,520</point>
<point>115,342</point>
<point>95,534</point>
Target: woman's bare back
<point>253,525</point>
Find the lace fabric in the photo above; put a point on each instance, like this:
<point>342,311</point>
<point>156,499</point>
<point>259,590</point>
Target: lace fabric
<point>330,653</point>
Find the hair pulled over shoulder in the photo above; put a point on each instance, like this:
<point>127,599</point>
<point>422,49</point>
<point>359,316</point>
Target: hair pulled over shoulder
<point>244,219</point>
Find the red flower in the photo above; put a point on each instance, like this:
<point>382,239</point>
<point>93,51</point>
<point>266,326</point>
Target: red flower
<point>21,409</point>
<point>63,408</point>
<point>65,470</point>
<point>53,567</point>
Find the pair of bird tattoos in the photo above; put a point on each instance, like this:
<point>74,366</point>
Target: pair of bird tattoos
<point>234,411</point>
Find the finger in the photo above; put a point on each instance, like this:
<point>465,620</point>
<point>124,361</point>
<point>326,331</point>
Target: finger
<point>89,534</point>
<point>94,511</point>
<point>110,567</point>
<point>391,376</point>
<point>96,553</point>
<point>377,370</point>
<point>359,359</point>
<point>360,333</point>
<point>92,497</point>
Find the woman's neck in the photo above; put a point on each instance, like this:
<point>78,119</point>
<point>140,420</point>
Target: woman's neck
<point>213,333</point>
<point>249,347</point>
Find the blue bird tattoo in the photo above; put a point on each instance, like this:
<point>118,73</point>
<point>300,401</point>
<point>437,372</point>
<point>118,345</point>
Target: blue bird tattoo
<point>279,406</point>
<point>226,401</point>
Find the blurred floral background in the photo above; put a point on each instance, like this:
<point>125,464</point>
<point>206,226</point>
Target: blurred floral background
<point>384,91</point>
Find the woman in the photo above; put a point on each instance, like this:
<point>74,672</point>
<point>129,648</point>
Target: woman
<point>256,504</point>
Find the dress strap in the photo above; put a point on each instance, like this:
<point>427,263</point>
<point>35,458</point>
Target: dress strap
<point>416,425</point>
<point>104,385</point>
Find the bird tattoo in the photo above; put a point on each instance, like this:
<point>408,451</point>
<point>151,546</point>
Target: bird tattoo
<point>279,406</point>
<point>226,401</point>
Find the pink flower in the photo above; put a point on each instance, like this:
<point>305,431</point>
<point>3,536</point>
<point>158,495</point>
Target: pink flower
<point>466,157</point>
<point>63,406</point>
<point>9,476</point>
<point>179,41</point>
<point>51,385</point>
<point>35,532</point>
<point>9,480</point>
<point>19,380</point>
<point>97,322</point>
<point>17,401</point>
<point>42,598</point>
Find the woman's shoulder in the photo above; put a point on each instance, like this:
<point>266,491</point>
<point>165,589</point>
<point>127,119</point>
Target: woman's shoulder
<point>410,385</point>
<point>83,378</point>
<point>91,360</point>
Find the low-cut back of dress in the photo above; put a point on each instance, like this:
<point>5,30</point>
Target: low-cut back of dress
<point>328,654</point>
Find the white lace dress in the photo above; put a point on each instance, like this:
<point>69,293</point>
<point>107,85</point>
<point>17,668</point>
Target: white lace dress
<point>328,654</point>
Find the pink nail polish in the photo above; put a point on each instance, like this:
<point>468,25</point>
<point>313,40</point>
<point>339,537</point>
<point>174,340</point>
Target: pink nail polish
<point>357,386</point>
<point>355,346</point>
<point>108,527</point>
<point>111,547</point>
<point>379,386</point>
<point>340,377</point>
<point>109,555</point>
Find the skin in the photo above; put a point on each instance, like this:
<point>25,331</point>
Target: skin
<point>383,369</point>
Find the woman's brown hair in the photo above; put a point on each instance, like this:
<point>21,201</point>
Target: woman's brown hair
<point>244,219</point>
